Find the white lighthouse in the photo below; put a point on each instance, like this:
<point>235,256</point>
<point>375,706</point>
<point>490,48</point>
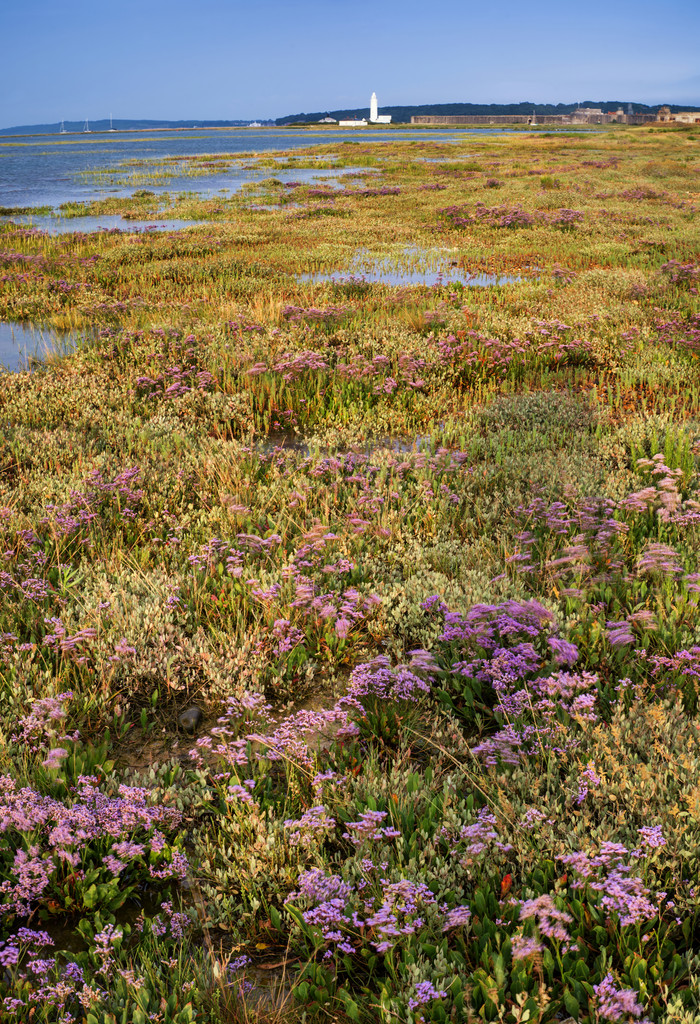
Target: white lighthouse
<point>374,116</point>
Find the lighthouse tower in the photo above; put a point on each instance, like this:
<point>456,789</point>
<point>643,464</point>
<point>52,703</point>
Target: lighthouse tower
<point>373,109</point>
<point>374,116</point>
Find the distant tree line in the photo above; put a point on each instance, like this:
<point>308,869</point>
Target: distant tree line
<point>404,114</point>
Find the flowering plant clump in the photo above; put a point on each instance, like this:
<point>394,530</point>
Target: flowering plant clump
<point>85,852</point>
<point>509,217</point>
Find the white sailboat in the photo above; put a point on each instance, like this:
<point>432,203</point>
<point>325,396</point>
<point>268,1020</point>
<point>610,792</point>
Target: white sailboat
<point>87,130</point>
<point>62,130</point>
<point>533,122</point>
<point>110,124</point>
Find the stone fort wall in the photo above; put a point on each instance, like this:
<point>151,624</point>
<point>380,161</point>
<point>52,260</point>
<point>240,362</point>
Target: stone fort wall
<point>506,119</point>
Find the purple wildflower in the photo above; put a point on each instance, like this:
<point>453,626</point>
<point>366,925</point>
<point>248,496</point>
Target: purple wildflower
<point>616,1003</point>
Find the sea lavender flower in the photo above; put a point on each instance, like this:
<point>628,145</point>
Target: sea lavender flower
<point>399,913</point>
<point>178,867</point>
<point>109,936</point>
<point>622,894</point>
<point>9,953</point>
<point>532,818</point>
<point>614,1003</point>
<point>425,992</point>
<point>659,558</point>
<point>626,896</point>
<point>313,826</point>
<point>239,964</point>
<point>565,653</point>
<point>481,836</point>
<point>44,721</point>
<point>652,837</point>
<point>459,917</point>
<point>55,758</point>
<point>523,947</point>
<point>368,828</point>
<point>620,634</point>
<point>376,679</point>
<point>33,938</point>
<point>586,778</point>
<point>316,886</point>
<point>238,792</point>
<point>549,919</point>
<point>113,865</point>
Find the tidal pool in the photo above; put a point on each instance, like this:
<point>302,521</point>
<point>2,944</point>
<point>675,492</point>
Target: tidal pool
<point>410,265</point>
<point>21,343</point>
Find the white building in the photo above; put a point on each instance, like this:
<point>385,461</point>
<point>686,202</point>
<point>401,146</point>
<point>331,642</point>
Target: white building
<point>374,116</point>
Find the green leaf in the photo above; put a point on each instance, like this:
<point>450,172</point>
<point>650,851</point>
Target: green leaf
<point>90,897</point>
<point>479,903</point>
<point>581,969</point>
<point>571,1004</point>
<point>351,1008</point>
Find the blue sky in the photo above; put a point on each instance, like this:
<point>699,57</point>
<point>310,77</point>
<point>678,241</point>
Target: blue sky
<point>71,59</point>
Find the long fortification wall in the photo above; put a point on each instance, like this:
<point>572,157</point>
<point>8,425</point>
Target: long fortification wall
<point>506,119</point>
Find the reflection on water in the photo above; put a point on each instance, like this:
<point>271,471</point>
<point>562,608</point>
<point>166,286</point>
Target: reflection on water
<point>236,179</point>
<point>50,171</point>
<point>47,171</point>
<point>105,222</point>
<point>21,343</point>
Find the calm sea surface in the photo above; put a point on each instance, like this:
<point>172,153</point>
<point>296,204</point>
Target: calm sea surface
<point>48,170</point>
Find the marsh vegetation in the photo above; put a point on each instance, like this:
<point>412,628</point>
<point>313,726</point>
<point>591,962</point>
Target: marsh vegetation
<point>423,557</point>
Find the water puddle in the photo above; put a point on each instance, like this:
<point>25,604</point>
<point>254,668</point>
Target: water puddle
<point>410,266</point>
<point>106,222</point>
<point>207,184</point>
<point>277,442</point>
<point>322,182</point>
<point>268,989</point>
<point>20,344</point>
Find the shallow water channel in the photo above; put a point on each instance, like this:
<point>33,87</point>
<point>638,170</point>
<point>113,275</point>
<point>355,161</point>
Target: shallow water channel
<point>236,180</point>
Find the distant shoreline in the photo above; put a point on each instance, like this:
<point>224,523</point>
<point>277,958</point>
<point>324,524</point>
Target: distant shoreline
<point>299,127</point>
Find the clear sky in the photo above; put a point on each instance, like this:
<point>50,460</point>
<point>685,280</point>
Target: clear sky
<point>72,59</point>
